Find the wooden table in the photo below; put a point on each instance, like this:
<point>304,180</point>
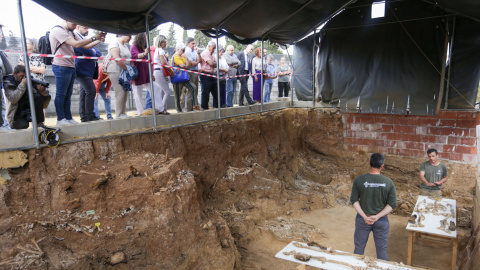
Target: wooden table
<point>431,230</point>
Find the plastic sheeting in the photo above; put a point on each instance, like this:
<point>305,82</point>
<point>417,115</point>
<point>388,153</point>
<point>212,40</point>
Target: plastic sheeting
<point>303,68</point>
<point>384,65</point>
<point>281,21</point>
<point>465,61</point>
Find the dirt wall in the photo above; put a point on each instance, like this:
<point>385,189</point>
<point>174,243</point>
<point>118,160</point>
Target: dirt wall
<point>195,197</point>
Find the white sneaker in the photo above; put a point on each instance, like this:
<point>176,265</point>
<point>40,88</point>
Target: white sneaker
<point>122,116</point>
<point>4,128</point>
<point>63,122</point>
<point>71,121</point>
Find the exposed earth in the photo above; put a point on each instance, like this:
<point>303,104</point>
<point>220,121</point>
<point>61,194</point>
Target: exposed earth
<point>228,194</point>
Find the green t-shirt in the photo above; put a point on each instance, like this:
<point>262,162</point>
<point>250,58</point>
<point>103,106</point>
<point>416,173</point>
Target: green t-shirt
<point>433,174</point>
<point>374,191</point>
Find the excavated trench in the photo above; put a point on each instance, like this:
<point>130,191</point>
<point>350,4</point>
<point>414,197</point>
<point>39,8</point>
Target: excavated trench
<point>223,195</point>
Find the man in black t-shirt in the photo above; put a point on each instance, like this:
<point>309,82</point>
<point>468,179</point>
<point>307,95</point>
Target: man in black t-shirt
<point>373,197</point>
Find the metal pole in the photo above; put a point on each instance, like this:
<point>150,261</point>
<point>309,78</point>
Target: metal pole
<point>450,63</point>
<point>152,92</point>
<point>218,78</point>
<point>293,68</point>
<point>261,80</point>
<point>313,70</point>
<point>27,71</point>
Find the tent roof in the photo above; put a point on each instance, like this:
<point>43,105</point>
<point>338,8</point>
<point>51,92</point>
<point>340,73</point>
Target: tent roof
<point>281,21</point>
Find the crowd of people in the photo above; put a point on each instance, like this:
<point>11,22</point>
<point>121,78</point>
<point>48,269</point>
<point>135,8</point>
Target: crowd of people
<point>97,78</point>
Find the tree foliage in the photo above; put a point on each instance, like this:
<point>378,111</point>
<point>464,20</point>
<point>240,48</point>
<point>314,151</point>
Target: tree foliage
<point>171,40</point>
<point>200,39</point>
<point>271,47</point>
<point>185,35</point>
<point>153,34</point>
<point>237,46</point>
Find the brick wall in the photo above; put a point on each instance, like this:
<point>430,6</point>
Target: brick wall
<point>452,133</point>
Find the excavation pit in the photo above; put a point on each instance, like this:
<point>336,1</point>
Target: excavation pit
<point>227,194</point>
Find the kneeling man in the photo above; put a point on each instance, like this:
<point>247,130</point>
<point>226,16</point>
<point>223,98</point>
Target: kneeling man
<point>373,197</point>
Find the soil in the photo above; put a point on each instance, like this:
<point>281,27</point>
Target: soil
<point>223,195</point>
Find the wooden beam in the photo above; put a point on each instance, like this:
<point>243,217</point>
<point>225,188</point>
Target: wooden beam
<point>442,76</point>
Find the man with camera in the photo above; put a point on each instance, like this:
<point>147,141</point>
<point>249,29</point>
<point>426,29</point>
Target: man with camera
<point>18,105</point>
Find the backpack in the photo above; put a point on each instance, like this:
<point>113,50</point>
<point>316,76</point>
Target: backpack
<point>44,47</point>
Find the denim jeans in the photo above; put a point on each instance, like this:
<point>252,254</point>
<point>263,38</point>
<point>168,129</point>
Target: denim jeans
<point>106,101</point>
<point>231,88</point>
<point>148,101</point>
<point>64,79</point>
<point>267,91</point>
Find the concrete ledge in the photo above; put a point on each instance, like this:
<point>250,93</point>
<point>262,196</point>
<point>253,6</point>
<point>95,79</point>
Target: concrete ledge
<point>24,138</point>
<point>309,104</point>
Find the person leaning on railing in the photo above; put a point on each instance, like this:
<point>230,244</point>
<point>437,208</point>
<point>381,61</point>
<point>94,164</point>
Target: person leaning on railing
<point>160,58</point>
<point>179,59</point>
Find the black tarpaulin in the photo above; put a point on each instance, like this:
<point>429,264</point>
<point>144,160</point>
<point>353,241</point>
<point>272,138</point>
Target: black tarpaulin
<point>279,21</point>
<point>303,67</point>
<point>465,61</point>
<point>386,61</point>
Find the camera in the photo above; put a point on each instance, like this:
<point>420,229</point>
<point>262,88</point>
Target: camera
<point>36,82</point>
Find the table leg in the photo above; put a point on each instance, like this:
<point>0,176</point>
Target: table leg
<point>454,252</point>
<point>410,248</point>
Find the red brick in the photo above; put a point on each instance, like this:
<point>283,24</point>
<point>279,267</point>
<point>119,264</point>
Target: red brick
<point>349,133</point>
<point>369,134</point>
<point>423,121</point>
<point>349,119</point>
<point>350,140</point>
<point>441,139</point>
<point>404,129</point>
<point>465,149</point>
<point>373,127</point>
<point>448,115</point>
<point>466,115</point>
<point>352,147</point>
<point>392,144</point>
<point>461,131</point>
<point>468,141</point>
<point>385,120</point>
<point>472,132</point>
<point>421,130</point>
<point>447,148</point>
<point>401,145</point>
<point>465,123</point>
<point>365,119</point>
<point>411,153</point>
<point>447,123</point>
<point>454,140</point>
<point>452,156</point>
<point>387,128</point>
<point>393,136</point>
<point>439,147</point>
<point>415,146</point>
<point>469,158</point>
<point>427,138</point>
<point>440,131</point>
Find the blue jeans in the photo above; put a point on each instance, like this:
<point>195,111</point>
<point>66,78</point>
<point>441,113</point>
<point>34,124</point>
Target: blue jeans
<point>267,91</point>
<point>106,101</point>
<point>231,88</point>
<point>380,230</point>
<point>64,79</point>
<point>148,101</point>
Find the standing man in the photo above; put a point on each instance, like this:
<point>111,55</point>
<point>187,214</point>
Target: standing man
<point>193,55</point>
<point>209,84</point>
<point>62,42</point>
<point>243,69</point>
<point>84,70</point>
<point>373,197</point>
<point>233,62</point>
<point>433,174</point>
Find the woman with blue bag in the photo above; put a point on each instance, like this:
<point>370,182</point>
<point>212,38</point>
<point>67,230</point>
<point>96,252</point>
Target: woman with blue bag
<point>184,91</point>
